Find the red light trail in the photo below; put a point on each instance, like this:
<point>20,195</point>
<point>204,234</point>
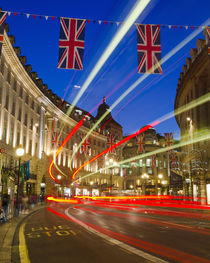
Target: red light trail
<point>160,250</point>
<point>115,145</point>
<point>61,200</point>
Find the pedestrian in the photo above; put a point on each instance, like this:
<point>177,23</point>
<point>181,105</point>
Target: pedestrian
<point>5,203</point>
<point>25,204</point>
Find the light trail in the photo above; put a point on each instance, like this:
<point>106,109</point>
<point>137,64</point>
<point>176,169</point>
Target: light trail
<point>129,21</point>
<point>150,200</point>
<point>182,109</point>
<point>132,87</point>
<point>112,147</point>
<point>201,137</point>
<point>79,124</point>
<point>155,80</point>
<point>145,76</point>
<point>153,221</point>
<point>61,200</point>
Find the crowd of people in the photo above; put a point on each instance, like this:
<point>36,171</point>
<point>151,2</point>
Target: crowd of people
<point>24,204</point>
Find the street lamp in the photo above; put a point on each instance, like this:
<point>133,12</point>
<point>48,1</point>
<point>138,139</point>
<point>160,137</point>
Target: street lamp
<point>19,153</point>
<point>59,177</point>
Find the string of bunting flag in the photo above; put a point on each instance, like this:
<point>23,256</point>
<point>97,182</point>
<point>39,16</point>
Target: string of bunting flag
<point>100,22</point>
<point>72,42</point>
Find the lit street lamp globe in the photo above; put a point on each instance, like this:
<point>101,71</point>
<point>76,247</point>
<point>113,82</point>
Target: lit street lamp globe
<point>20,151</point>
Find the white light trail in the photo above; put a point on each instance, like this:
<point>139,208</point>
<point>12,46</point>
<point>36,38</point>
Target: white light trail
<point>131,18</point>
<point>142,78</point>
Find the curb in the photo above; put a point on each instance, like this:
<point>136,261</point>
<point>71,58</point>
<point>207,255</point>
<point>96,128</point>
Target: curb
<point>12,225</point>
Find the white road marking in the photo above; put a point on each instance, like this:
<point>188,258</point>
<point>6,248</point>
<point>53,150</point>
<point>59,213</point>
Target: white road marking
<point>133,250</point>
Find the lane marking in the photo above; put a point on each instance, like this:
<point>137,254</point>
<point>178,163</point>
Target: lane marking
<point>133,250</point>
<point>23,251</point>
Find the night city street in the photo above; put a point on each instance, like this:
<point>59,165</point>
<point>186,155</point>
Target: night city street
<point>105,131</point>
<point>166,234</point>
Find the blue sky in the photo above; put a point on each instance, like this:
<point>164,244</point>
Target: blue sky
<point>39,38</point>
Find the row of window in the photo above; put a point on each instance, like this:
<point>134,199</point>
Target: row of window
<point>20,91</point>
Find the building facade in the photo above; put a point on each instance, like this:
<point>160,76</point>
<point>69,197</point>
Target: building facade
<point>32,116</point>
<point>154,171</point>
<point>194,83</point>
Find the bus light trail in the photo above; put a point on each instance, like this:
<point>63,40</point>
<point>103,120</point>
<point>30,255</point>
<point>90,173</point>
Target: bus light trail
<point>61,200</point>
<point>114,146</point>
<point>138,218</point>
<point>169,55</point>
<point>153,200</point>
<point>184,108</point>
<point>79,124</point>
<point>201,137</point>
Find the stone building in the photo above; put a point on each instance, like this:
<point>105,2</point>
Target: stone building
<point>151,173</point>
<point>33,116</point>
<point>194,82</point>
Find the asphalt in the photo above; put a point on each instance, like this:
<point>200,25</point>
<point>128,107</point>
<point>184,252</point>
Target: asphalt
<point>7,232</point>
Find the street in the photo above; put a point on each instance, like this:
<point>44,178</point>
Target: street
<point>97,232</point>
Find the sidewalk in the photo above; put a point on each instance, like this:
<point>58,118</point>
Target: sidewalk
<point>7,231</point>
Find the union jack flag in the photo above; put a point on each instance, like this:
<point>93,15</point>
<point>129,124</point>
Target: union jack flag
<point>208,39</point>
<point>140,143</point>
<point>85,147</point>
<point>71,43</point>
<point>173,158</point>
<point>149,49</point>
<point>55,140</point>
<point>2,19</point>
<point>169,138</point>
<point>111,140</point>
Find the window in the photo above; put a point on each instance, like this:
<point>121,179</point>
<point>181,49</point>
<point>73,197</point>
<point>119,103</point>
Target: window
<point>140,163</point>
<point>15,85</point>
<point>9,76</point>
<point>24,141</point>
<point>30,147</point>
<point>18,138</point>
<point>164,164</point>
<point>11,136</point>
<point>99,144</point>
<point>21,92</point>
<point>7,102</point>
<point>4,131</point>
<point>13,108</point>
<point>149,170</point>
<point>26,119</point>
<point>2,66</point>
<point>32,105</point>
<point>103,145</point>
<point>26,99</point>
<point>38,109</point>
<point>148,162</point>
<point>31,124</point>
<point>19,114</point>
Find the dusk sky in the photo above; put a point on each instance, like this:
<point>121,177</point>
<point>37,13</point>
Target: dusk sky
<point>39,39</point>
